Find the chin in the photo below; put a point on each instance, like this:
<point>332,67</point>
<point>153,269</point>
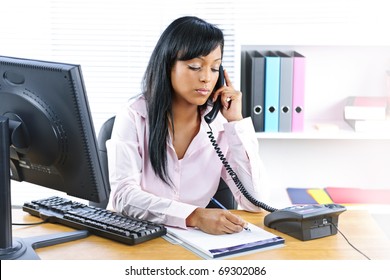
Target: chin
<point>203,103</point>
<point>199,101</point>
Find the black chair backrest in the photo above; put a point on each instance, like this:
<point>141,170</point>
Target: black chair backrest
<point>104,135</point>
<point>223,194</point>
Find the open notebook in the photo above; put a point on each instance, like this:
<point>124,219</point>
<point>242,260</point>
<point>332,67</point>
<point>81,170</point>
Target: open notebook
<point>210,246</point>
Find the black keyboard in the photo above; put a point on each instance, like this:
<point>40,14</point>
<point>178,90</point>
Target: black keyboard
<point>95,220</point>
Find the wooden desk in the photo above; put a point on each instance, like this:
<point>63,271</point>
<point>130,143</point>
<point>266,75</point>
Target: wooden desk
<point>358,226</point>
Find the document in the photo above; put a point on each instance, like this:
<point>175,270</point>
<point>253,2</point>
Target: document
<point>211,246</point>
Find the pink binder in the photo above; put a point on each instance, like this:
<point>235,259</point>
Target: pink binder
<point>297,120</point>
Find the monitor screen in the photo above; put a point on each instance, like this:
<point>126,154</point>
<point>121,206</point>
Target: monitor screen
<point>47,137</point>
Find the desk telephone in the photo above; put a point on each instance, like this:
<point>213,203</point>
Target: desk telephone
<point>304,222</point>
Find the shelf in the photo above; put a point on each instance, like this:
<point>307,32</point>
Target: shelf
<point>322,136</point>
<point>335,130</point>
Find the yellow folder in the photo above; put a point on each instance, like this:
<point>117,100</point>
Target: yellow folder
<point>320,196</point>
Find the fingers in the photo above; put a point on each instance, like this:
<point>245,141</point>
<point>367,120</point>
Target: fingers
<point>215,221</point>
<point>227,78</point>
<point>230,223</point>
<point>228,95</point>
<point>234,223</point>
<point>227,92</point>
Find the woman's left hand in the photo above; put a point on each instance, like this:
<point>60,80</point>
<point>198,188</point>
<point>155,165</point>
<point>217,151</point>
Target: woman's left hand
<point>231,100</point>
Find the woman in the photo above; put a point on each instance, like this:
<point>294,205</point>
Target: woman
<point>162,165</point>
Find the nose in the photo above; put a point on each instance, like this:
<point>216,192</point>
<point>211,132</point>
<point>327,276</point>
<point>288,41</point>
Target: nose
<point>205,76</point>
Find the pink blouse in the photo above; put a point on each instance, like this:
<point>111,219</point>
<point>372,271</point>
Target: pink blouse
<point>138,192</point>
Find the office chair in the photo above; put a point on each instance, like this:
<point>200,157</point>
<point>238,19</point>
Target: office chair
<point>223,194</point>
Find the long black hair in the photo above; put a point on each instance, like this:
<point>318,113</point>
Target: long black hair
<point>184,39</point>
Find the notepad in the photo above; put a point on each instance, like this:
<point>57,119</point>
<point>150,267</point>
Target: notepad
<point>211,246</point>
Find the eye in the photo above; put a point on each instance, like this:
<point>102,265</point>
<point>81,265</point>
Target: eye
<point>194,67</point>
<point>215,67</point>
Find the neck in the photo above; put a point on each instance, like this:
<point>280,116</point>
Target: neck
<point>186,125</point>
<point>185,117</point>
<point>185,113</point>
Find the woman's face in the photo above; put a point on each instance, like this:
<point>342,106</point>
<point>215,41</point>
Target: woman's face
<point>193,80</point>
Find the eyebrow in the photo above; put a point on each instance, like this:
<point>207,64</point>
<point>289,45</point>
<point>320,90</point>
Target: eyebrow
<point>201,57</point>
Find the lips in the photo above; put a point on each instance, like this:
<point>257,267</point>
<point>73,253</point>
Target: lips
<point>203,91</point>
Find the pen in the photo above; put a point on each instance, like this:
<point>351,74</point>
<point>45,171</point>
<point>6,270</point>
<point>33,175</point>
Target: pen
<point>220,205</point>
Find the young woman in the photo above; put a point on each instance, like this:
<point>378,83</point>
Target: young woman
<point>162,165</point>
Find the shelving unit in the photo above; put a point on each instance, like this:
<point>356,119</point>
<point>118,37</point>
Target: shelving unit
<point>335,72</point>
<point>335,155</point>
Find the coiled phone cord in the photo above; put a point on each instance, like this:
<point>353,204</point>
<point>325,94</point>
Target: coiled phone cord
<point>234,176</point>
<point>247,195</point>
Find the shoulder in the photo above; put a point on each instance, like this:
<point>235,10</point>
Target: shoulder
<point>133,109</point>
<point>137,105</point>
<point>131,116</point>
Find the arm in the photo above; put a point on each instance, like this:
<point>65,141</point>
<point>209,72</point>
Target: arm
<point>131,189</point>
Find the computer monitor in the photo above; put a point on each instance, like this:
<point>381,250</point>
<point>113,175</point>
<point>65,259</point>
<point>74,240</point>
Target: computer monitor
<point>47,136</point>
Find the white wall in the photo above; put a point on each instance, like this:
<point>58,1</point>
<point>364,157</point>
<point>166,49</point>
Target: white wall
<point>305,23</point>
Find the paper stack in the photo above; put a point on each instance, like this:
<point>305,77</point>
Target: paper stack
<point>368,113</point>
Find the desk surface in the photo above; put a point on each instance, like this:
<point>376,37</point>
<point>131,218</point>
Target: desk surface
<point>357,225</point>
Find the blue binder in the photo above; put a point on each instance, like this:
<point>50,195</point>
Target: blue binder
<point>271,92</point>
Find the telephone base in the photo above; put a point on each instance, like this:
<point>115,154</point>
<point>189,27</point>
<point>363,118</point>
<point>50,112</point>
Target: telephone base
<point>306,222</point>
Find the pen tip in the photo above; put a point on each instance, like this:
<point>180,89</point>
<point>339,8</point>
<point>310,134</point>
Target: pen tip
<point>247,228</point>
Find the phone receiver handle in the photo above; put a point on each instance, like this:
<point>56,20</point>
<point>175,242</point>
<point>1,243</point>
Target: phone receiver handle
<point>214,111</point>
<point>209,118</point>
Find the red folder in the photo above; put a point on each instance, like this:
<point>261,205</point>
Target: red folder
<point>358,196</point>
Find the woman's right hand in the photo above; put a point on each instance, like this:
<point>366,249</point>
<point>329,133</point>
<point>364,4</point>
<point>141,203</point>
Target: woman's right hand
<point>215,221</point>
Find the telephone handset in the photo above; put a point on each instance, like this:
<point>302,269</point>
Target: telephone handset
<point>209,118</point>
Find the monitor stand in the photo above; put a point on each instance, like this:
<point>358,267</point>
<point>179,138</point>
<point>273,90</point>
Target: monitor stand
<point>24,248</point>
<point>20,248</point>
